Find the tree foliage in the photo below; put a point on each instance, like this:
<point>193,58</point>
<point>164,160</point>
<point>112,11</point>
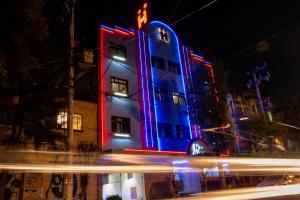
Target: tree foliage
<point>24,44</point>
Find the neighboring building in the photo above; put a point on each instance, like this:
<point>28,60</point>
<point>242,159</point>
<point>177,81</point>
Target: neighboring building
<point>146,77</point>
<point>242,107</point>
<point>38,185</point>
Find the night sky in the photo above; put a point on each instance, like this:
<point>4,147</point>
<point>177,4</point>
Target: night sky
<point>243,33</point>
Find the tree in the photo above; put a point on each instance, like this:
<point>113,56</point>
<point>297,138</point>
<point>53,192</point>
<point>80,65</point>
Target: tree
<point>262,133</point>
<point>24,42</point>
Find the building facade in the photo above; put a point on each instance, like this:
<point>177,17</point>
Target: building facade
<point>146,87</point>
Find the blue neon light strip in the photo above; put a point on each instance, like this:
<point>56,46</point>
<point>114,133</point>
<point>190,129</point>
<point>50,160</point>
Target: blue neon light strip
<point>197,56</point>
<point>149,108</point>
<point>155,111</point>
<point>142,77</point>
<point>106,27</point>
<point>179,58</point>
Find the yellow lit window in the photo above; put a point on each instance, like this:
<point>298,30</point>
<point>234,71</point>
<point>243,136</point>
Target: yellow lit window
<point>62,121</point>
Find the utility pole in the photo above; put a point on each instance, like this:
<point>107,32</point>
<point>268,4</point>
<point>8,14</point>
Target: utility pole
<point>256,81</point>
<point>69,179</point>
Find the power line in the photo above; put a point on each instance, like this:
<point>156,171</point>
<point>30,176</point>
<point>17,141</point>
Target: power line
<point>274,35</point>
<point>135,38</point>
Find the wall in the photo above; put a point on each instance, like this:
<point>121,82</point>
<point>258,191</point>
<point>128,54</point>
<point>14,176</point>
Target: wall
<point>119,106</point>
<point>129,189</point>
<point>169,112</point>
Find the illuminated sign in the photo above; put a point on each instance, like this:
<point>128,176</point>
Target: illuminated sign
<point>197,148</point>
<point>164,36</point>
<point>142,16</point>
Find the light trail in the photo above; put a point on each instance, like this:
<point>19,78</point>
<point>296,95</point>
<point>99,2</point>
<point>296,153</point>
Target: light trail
<point>248,193</point>
<point>89,169</point>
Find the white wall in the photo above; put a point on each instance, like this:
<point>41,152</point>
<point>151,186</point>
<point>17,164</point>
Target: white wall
<point>124,189</point>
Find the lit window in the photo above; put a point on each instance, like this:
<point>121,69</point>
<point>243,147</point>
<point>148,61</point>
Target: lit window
<point>88,56</point>
<point>173,67</point>
<point>182,132</point>
<point>119,86</point>
<point>178,98</point>
<point>120,126</point>
<point>117,51</point>
<point>157,62</point>
<point>164,130</point>
<point>62,121</point>
<point>161,94</point>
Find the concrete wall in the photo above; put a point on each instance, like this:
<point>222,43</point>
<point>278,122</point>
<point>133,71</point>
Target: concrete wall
<point>38,187</point>
<point>127,188</point>
<point>120,106</point>
<point>169,112</point>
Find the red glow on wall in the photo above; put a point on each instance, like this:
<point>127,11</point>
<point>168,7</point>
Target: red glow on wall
<point>179,153</point>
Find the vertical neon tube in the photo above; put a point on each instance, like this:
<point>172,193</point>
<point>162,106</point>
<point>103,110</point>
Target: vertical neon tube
<point>143,94</point>
<point>147,82</point>
<point>155,111</point>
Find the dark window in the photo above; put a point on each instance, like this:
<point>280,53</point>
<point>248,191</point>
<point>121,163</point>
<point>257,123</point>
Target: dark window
<point>173,67</point>
<point>161,94</point>
<point>62,121</point>
<point>118,51</point>
<point>164,129</point>
<point>158,62</point>
<point>119,86</point>
<point>182,132</point>
<point>120,125</point>
<point>178,98</point>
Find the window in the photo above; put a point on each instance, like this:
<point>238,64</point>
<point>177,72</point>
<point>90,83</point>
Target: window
<point>161,94</point>
<point>164,130</point>
<point>157,62</point>
<point>118,51</point>
<point>62,121</point>
<point>173,67</point>
<point>182,132</point>
<point>88,56</point>
<point>178,98</point>
<point>120,126</point>
<point>119,86</point>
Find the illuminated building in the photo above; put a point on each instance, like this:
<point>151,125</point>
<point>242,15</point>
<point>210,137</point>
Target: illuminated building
<point>145,80</point>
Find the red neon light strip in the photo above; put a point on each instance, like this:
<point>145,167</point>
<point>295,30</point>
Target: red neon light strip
<point>102,97</point>
<point>154,152</point>
<point>121,32</point>
<point>106,30</point>
<point>198,59</point>
<point>132,33</point>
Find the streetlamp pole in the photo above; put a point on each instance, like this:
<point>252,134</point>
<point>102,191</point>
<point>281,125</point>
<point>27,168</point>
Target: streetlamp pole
<point>69,179</point>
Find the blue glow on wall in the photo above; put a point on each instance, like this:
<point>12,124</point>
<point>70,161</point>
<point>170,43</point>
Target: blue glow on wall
<point>155,111</point>
<point>178,58</point>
